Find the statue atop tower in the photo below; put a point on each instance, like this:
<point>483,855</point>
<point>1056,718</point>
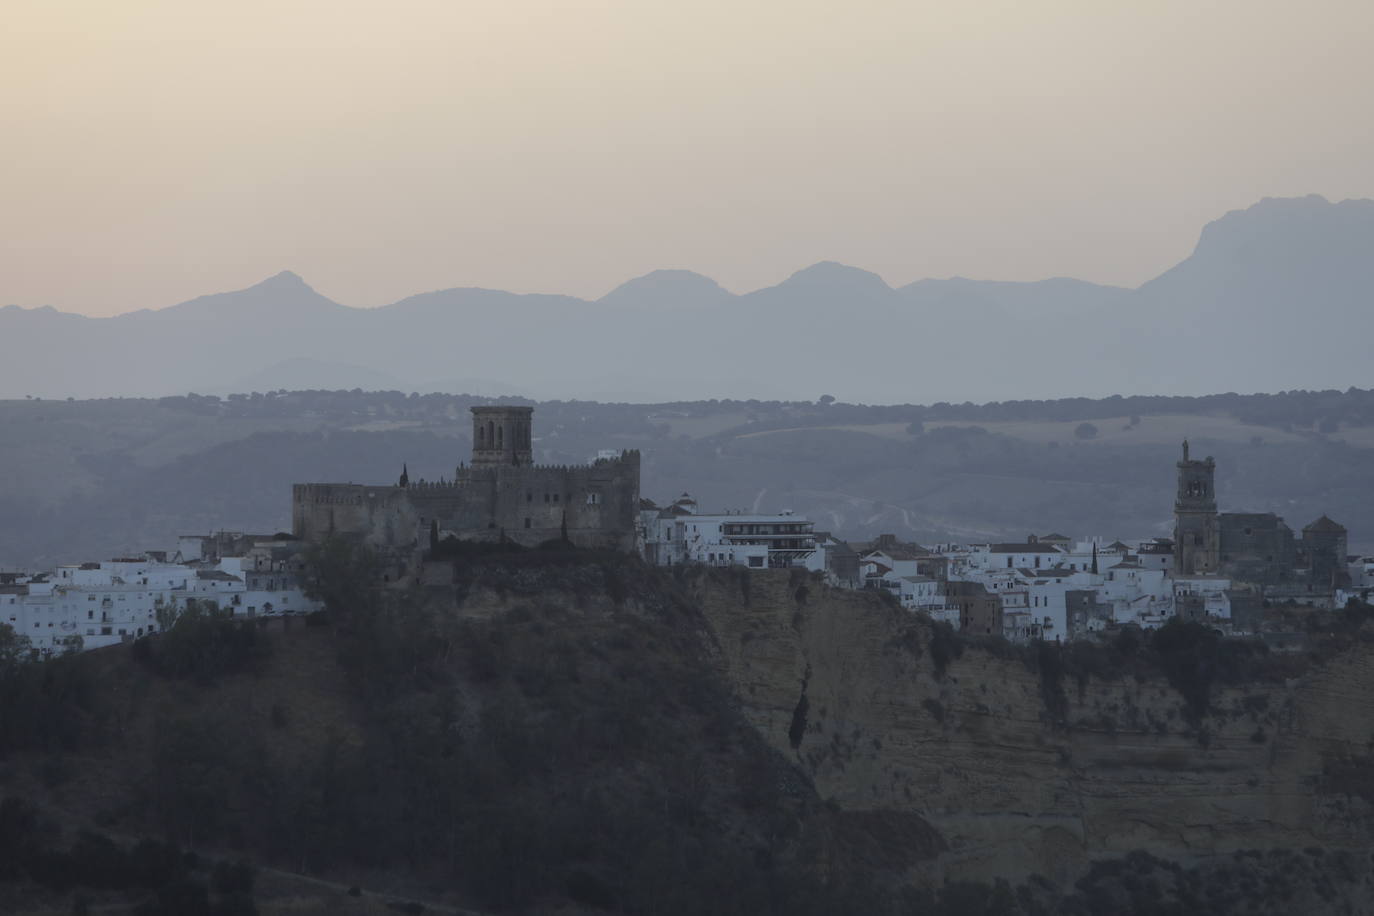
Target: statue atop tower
<point>1197,532</point>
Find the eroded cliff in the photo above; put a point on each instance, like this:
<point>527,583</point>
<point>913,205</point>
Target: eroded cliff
<point>1025,768</point>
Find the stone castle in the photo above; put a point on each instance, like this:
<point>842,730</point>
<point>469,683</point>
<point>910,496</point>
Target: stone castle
<point>501,495</point>
<point>1257,548</point>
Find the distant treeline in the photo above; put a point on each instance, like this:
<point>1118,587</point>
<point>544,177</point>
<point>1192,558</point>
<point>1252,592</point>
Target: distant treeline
<point>1286,409</point>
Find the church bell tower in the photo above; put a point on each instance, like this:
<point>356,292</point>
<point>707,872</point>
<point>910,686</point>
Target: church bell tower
<point>1197,533</point>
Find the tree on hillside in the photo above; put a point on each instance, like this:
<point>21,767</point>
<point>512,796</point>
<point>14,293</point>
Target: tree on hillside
<point>1085,431</point>
<point>13,647</point>
<point>343,574</point>
<point>166,613</point>
<point>204,643</point>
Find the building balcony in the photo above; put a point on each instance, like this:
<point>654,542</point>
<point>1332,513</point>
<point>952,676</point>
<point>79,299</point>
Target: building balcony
<point>782,542</point>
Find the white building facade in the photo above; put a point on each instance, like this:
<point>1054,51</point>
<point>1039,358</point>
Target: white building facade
<point>93,605</point>
<point>679,535</point>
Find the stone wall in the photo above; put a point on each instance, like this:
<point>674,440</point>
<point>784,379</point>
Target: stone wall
<point>596,505</point>
<point>1256,548</point>
<point>383,517</point>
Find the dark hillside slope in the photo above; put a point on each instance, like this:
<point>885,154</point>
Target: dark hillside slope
<point>554,739</point>
<point>550,731</point>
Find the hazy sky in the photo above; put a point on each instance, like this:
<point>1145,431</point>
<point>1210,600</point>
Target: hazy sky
<point>152,151</point>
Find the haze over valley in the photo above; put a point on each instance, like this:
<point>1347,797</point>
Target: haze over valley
<point>91,478</point>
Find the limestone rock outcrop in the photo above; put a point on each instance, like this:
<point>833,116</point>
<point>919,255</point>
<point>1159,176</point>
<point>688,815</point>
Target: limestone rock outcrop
<point>1024,771</point>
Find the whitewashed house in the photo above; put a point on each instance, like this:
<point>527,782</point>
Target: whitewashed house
<point>91,605</point>
<point>680,535</point>
<point>1014,556</point>
<point>1202,597</point>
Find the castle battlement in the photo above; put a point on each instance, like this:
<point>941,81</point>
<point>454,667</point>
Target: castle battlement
<point>501,493</point>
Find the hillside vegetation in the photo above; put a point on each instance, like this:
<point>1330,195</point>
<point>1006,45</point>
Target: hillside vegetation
<point>573,749</point>
<point>552,730</point>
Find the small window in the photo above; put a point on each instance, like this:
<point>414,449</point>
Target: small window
<point>527,523</point>
<point>555,497</point>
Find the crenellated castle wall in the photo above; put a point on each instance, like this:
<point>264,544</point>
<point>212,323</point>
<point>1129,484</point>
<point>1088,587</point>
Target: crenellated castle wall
<point>596,505</point>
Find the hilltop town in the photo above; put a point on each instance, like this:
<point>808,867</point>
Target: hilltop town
<point>1234,571</point>
<point>1223,569</point>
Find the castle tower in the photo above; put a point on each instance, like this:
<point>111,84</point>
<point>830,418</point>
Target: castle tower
<point>1197,534</point>
<point>1324,545</point>
<point>501,436</point>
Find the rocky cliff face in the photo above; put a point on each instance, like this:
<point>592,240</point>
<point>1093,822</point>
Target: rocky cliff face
<point>1024,770</point>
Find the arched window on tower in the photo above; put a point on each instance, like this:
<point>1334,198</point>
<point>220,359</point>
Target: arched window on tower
<point>481,436</point>
<point>500,437</point>
<point>491,434</point>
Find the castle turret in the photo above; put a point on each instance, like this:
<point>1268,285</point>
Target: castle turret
<point>1197,537</point>
<point>1324,547</point>
<point>501,436</point>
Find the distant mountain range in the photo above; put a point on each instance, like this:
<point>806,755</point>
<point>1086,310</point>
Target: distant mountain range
<point>1276,296</point>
